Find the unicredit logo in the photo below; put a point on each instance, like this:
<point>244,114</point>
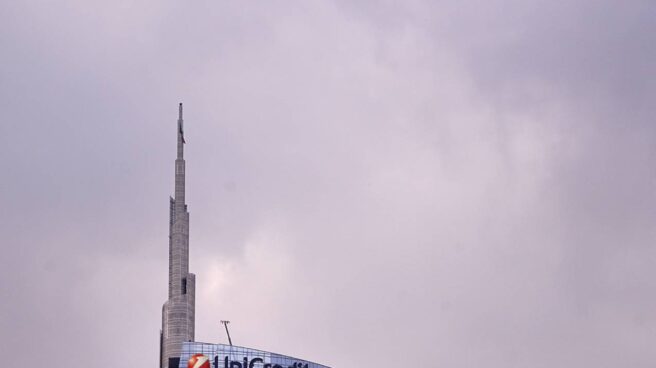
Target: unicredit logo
<point>253,363</point>
<point>198,361</point>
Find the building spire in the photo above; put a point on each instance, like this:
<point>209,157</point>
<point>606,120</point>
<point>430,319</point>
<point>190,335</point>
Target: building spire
<point>181,140</point>
<point>180,164</point>
<point>178,313</point>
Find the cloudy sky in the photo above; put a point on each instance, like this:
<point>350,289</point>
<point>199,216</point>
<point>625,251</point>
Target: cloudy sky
<point>457,183</point>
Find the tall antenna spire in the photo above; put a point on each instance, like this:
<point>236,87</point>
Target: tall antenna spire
<point>181,140</point>
<point>180,164</point>
<point>178,313</point>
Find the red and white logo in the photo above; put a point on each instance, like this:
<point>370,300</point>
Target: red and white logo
<point>198,361</point>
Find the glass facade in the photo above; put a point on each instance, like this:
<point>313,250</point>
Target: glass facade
<point>226,356</point>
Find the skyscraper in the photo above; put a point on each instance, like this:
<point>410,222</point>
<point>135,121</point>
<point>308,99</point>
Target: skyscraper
<point>178,312</point>
<point>177,346</point>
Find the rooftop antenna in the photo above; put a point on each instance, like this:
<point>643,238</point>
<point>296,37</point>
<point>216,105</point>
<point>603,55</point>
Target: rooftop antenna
<point>225,324</point>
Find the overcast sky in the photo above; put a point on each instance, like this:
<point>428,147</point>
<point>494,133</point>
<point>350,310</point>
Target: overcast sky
<point>379,184</point>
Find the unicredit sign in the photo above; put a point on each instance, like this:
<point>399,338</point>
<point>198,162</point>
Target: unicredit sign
<point>252,363</point>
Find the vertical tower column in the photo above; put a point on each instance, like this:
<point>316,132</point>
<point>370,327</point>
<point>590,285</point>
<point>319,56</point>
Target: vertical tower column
<point>178,313</point>
<point>179,232</point>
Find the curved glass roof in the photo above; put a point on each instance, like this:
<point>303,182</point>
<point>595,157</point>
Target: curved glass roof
<point>227,356</point>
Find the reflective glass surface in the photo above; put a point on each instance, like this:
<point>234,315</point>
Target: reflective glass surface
<point>226,356</point>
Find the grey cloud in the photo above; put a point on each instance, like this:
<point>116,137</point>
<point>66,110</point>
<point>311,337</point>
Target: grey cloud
<point>467,183</point>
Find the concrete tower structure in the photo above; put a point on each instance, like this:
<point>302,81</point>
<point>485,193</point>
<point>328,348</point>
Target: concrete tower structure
<point>178,313</point>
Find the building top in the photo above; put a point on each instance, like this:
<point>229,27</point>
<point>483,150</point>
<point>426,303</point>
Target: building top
<point>228,356</point>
